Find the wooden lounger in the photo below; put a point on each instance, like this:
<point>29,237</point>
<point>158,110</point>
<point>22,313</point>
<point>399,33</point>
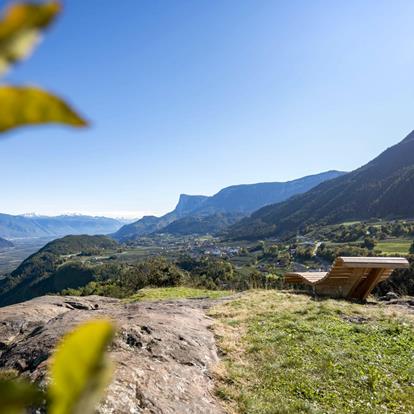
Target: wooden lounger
<point>349,277</point>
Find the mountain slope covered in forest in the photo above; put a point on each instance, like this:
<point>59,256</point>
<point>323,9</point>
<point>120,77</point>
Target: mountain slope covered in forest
<point>46,270</point>
<point>383,188</point>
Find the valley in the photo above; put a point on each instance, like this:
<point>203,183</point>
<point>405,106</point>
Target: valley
<point>83,265</point>
<point>216,267</point>
<point>207,207</point>
<point>11,257</point>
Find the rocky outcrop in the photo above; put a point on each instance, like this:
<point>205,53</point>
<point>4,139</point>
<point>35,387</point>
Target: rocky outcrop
<point>163,351</point>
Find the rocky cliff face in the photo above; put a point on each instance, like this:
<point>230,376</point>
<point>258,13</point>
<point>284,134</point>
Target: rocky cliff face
<point>188,203</point>
<point>163,351</point>
<point>237,199</point>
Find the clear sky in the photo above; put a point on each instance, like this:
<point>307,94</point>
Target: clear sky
<point>189,96</point>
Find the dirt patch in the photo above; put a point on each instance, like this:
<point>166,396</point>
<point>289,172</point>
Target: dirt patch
<point>355,318</point>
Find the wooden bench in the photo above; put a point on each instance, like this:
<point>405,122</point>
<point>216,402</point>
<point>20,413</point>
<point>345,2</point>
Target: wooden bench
<point>349,277</point>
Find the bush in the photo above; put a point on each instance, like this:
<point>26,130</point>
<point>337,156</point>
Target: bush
<point>400,282</point>
<point>209,272</point>
<point>123,280</point>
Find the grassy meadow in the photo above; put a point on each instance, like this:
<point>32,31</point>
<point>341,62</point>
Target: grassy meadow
<point>399,247</point>
<point>287,353</point>
<point>180,292</point>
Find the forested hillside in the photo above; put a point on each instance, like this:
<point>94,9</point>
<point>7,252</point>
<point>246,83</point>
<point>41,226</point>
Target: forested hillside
<point>383,188</point>
<point>211,224</point>
<point>29,279</point>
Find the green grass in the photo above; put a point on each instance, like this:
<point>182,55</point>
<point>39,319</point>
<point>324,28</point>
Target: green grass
<point>177,293</point>
<point>286,353</point>
<point>394,246</point>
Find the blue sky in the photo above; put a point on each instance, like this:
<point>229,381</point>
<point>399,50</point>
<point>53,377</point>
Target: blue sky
<point>192,96</point>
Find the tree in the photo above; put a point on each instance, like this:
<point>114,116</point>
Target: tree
<point>273,251</point>
<point>369,243</point>
<point>412,248</point>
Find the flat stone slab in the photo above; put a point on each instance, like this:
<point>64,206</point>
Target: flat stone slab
<point>163,351</point>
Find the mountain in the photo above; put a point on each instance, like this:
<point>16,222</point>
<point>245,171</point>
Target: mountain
<point>5,244</point>
<point>189,203</point>
<point>212,224</point>
<point>246,198</point>
<point>151,224</point>
<point>383,188</point>
<point>43,272</point>
<point>241,199</point>
<point>44,226</point>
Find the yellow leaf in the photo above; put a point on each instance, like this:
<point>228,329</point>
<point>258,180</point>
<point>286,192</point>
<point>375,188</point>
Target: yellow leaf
<point>29,105</point>
<point>21,27</point>
<point>80,370</point>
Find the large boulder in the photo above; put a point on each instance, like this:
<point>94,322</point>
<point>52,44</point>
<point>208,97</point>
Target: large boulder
<point>163,351</point>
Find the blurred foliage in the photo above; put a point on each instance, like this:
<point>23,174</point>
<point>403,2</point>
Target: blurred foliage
<point>20,30</point>
<point>16,395</point>
<point>79,373</point>
<point>30,105</point>
<point>80,370</point>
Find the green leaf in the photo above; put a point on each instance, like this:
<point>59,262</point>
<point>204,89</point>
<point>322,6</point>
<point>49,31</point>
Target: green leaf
<point>29,105</point>
<point>16,395</point>
<point>80,370</point>
<point>21,27</point>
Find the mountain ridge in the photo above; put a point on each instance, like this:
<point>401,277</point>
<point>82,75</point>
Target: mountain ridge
<point>241,199</point>
<point>199,225</point>
<point>382,188</point>
<point>28,226</point>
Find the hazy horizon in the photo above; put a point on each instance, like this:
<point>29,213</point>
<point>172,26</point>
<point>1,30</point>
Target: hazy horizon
<point>122,214</point>
<point>193,97</point>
